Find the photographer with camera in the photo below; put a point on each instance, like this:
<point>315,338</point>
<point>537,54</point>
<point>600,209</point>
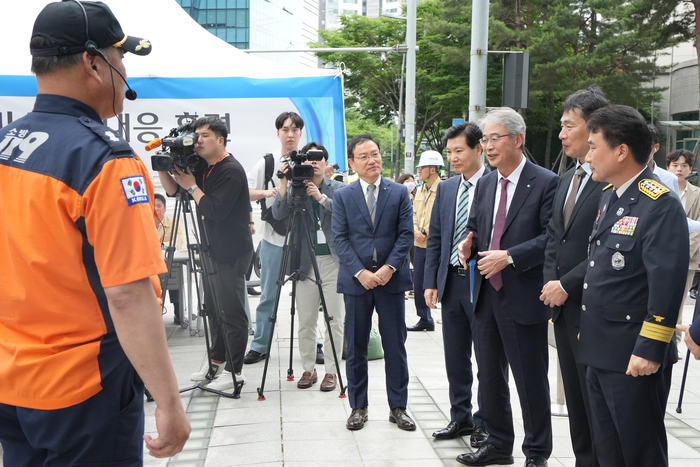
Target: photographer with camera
<point>263,184</point>
<point>218,186</point>
<point>318,205</point>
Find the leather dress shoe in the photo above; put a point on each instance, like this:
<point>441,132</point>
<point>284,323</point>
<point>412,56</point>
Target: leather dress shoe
<point>421,327</point>
<point>455,430</point>
<point>693,294</point>
<point>357,419</point>
<point>479,437</point>
<point>486,455</point>
<point>253,357</point>
<point>252,291</point>
<point>401,418</point>
<point>307,379</point>
<point>536,461</point>
<point>328,383</point>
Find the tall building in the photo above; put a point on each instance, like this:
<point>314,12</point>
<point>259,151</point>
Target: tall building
<point>261,25</point>
<point>331,10</point>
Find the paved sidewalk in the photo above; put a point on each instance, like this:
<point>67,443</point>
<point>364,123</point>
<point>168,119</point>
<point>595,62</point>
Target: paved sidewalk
<point>294,427</point>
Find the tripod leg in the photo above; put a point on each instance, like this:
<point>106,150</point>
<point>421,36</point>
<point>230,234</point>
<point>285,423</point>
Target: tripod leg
<point>290,370</point>
<point>679,409</point>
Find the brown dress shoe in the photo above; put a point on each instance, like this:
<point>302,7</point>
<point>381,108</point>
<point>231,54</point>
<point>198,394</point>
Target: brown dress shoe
<point>328,383</point>
<point>401,418</point>
<point>307,379</point>
<point>357,419</point>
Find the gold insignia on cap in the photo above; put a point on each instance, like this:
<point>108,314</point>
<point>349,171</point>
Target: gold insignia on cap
<point>609,185</point>
<point>143,44</point>
<point>657,332</point>
<point>658,318</point>
<point>652,188</point>
<point>121,42</point>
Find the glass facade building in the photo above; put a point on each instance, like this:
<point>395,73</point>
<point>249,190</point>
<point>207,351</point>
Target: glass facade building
<point>228,20</point>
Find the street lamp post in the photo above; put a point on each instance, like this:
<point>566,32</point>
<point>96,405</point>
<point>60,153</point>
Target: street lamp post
<point>409,143</point>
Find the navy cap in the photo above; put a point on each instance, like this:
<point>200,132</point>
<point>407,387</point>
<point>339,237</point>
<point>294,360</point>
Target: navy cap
<point>64,25</point>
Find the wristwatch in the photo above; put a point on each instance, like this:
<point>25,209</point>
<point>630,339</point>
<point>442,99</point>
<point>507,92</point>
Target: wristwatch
<point>191,189</point>
<point>510,259</point>
<point>323,199</point>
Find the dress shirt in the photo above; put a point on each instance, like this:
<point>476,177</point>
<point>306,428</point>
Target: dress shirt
<point>474,178</point>
<point>587,168</point>
<point>510,191</point>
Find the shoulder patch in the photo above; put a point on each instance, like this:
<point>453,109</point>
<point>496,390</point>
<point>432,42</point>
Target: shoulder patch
<point>134,190</point>
<point>118,144</point>
<point>608,186</point>
<point>652,188</point>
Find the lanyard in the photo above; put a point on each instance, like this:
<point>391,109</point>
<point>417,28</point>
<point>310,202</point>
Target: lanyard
<point>204,179</point>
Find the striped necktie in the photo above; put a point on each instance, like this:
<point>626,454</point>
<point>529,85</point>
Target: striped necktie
<point>460,221</point>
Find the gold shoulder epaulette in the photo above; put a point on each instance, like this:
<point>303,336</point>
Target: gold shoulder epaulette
<point>652,188</point>
<point>609,185</point>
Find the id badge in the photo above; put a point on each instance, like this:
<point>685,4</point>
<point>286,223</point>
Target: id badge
<point>320,237</point>
<point>421,224</point>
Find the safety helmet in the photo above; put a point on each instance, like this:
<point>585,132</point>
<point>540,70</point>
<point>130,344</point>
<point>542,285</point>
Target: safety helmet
<point>430,158</point>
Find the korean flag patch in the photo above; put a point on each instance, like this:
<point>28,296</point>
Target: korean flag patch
<point>135,190</point>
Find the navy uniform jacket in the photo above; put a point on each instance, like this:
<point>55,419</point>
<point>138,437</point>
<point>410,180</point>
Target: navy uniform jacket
<point>355,237</point>
<point>635,279</point>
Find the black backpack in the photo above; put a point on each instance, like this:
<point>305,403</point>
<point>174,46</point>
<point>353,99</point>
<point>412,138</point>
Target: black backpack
<point>279,226</point>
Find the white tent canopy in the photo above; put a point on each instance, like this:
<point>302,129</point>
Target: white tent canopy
<point>190,72</point>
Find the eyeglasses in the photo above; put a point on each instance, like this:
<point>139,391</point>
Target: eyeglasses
<point>296,131</point>
<point>492,139</point>
<point>375,156</point>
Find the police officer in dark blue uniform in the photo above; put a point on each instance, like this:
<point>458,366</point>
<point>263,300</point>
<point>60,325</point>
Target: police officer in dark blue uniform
<point>632,292</point>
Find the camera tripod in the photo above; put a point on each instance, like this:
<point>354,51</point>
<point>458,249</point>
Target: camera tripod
<point>200,249</point>
<point>291,258</point>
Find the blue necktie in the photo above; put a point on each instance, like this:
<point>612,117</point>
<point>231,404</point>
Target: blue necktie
<point>460,221</point>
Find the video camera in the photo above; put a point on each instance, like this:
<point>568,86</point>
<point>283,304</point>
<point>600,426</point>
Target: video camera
<point>178,150</point>
<point>298,172</point>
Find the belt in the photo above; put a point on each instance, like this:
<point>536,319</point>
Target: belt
<point>457,269</point>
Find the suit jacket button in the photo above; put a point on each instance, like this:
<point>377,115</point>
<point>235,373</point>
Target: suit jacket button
<point>563,240</point>
<point>592,263</point>
<point>585,286</point>
<point>617,245</point>
<point>597,242</point>
<point>583,307</point>
<point>628,317</point>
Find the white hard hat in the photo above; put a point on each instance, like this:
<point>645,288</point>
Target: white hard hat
<point>430,158</point>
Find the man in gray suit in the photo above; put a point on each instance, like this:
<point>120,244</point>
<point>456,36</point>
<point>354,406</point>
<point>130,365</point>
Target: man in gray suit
<point>317,216</point>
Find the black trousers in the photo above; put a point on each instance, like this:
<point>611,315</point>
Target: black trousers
<point>231,322</point>
<point>574,379</point>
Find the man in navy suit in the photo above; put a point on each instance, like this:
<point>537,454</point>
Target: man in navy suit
<point>446,281</point>
<point>372,232</point>
<point>507,238</point>
<point>575,210</point>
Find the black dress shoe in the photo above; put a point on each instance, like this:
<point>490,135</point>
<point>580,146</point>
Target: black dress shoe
<point>455,430</point>
<point>401,418</point>
<point>357,419</point>
<point>693,294</point>
<point>252,291</point>
<point>253,357</point>
<point>536,461</point>
<point>421,327</point>
<point>486,455</point>
<point>479,437</point>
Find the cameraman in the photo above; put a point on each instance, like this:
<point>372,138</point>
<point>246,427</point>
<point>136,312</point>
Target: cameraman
<point>219,188</point>
<point>263,183</point>
<point>318,208</point>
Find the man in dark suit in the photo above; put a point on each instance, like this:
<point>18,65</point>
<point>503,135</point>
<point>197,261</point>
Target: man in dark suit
<point>632,291</point>
<point>507,238</point>
<point>446,281</point>
<point>373,231</point>
<point>574,212</point>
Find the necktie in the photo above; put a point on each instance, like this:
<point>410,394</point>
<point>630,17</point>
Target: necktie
<point>496,280</point>
<point>370,201</point>
<point>571,200</point>
<point>370,207</point>
<point>460,221</point>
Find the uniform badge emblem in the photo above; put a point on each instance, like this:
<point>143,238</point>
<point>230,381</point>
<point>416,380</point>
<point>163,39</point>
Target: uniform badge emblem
<point>658,318</point>
<point>134,190</point>
<point>625,226</point>
<point>618,261</point>
<point>620,211</point>
<point>652,188</point>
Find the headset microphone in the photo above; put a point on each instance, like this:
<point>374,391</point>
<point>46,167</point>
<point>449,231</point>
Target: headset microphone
<point>92,49</point>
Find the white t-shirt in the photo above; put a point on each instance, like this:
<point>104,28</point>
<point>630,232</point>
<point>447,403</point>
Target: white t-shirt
<point>256,181</point>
